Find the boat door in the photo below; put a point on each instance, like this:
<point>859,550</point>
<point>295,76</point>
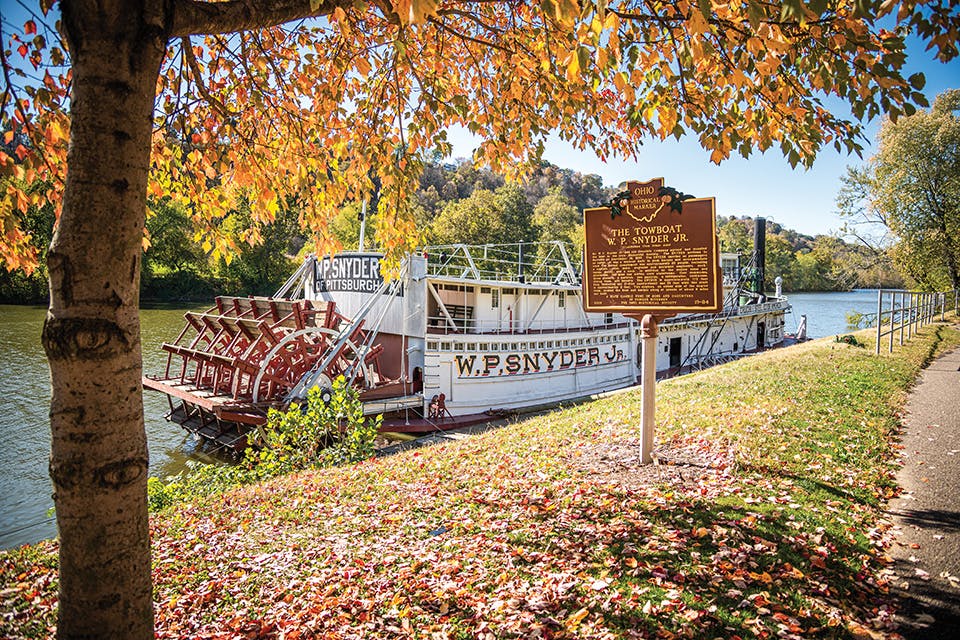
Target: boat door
<point>446,380</point>
<point>761,335</point>
<point>675,352</point>
<point>509,319</point>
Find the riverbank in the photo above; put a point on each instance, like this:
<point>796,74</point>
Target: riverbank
<point>764,516</point>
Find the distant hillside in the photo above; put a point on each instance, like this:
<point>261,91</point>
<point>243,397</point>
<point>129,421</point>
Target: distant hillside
<point>455,202</point>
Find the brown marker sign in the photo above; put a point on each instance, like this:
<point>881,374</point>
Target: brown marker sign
<point>651,258</point>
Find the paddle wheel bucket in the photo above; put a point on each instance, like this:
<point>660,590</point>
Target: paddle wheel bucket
<point>233,362</point>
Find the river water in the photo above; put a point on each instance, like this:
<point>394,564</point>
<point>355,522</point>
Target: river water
<point>25,426</point>
<point>25,392</point>
<point>827,311</point>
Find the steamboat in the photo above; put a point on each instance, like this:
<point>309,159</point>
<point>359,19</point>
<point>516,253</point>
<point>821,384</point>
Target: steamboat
<point>463,335</point>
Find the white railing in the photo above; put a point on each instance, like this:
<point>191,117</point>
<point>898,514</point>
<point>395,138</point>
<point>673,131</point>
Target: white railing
<point>905,312</point>
<point>440,325</point>
<point>521,262</point>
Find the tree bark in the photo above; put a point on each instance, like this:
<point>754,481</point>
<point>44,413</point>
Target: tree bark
<point>98,460</point>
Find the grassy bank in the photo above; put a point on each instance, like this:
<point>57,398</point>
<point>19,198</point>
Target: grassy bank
<point>762,520</point>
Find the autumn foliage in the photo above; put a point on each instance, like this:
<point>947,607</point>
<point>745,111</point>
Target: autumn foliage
<point>313,110</point>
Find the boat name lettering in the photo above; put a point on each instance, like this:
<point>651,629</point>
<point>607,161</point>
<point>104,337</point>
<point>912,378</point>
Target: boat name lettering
<point>359,274</point>
<point>508,364</point>
<point>646,234</point>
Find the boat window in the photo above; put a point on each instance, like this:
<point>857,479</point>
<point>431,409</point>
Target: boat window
<point>484,289</point>
<point>539,345</point>
<point>495,298</point>
<point>471,346</point>
<point>508,292</point>
<point>608,318</point>
<point>483,346</point>
<point>561,301</point>
<point>432,346</point>
<point>444,346</point>
<point>523,346</point>
<point>458,346</point>
<point>504,346</point>
<point>549,344</point>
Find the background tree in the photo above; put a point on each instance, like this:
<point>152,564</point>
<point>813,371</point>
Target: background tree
<point>277,106</point>
<point>911,188</point>
<point>498,217</point>
<point>556,218</point>
<point>265,260</point>
<point>36,222</point>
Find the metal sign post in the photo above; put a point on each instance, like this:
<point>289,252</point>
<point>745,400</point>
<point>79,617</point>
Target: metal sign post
<point>648,401</point>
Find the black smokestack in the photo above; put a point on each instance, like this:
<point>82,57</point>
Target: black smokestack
<point>760,252</point>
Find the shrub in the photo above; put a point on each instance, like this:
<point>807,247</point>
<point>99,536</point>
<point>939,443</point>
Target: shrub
<point>316,434</point>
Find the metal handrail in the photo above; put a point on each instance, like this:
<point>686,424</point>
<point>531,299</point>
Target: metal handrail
<point>906,312</point>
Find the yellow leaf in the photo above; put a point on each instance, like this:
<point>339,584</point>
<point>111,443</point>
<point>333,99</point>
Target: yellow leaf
<point>696,23</point>
<point>363,66</point>
<point>573,66</point>
<point>576,618</point>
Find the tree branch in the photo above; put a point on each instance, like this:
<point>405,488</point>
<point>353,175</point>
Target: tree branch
<point>201,86</point>
<point>196,17</point>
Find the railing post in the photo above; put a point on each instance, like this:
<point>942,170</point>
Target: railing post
<point>903,298</point>
<point>910,317</point>
<point>879,317</point>
<point>893,309</point>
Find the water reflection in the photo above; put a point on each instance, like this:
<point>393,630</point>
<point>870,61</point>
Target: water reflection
<point>25,499</point>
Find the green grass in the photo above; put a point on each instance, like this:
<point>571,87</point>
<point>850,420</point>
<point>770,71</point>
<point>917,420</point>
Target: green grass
<point>513,533</point>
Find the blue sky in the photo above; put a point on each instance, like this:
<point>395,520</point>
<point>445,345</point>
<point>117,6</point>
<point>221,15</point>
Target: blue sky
<point>764,184</point>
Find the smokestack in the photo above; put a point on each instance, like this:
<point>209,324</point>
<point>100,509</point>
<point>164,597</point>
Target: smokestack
<point>760,252</point>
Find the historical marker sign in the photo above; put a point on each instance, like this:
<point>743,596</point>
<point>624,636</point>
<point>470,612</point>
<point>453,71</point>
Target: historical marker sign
<point>651,258</point>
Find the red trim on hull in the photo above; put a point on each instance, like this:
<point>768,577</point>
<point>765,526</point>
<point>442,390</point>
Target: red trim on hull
<point>424,425</point>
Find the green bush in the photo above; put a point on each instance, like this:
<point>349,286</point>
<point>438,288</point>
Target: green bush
<point>316,434</point>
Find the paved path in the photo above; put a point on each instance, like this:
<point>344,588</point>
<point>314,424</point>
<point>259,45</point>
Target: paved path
<point>927,515</point>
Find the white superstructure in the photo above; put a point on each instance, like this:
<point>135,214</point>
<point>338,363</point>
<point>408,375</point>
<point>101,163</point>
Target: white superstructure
<point>500,327</point>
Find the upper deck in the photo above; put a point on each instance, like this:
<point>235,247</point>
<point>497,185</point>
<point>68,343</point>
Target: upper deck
<point>518,288</point>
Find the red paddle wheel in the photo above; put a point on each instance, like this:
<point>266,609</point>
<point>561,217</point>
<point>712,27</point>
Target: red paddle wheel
<point>233,362</point>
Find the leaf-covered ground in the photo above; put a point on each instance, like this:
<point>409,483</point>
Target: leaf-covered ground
<point>762,520</point>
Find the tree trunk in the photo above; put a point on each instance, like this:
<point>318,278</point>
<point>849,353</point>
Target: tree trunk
<point>98,460</point>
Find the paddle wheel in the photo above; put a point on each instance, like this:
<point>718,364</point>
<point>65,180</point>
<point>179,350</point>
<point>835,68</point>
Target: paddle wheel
<point>235,361</point>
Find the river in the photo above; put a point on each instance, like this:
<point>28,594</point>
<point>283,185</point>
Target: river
<point>827,311</point>
<point>25,426</point>
<point>25,391</point>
